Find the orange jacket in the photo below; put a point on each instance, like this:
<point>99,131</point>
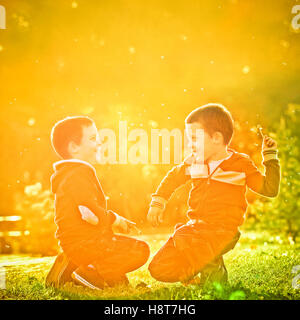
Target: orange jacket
<point>218,197</point>
<point>74,183</point>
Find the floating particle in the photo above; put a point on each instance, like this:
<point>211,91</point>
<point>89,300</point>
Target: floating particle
<point>31,122</point>
<point>74,5</point>
<point>153,124</point>
<point>284,43</point>
<point>22,22</point>
<point>246,69</point>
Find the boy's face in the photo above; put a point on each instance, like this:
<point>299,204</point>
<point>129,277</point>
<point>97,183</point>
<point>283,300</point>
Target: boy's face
<point>202,144</point>
<point>89,148</point>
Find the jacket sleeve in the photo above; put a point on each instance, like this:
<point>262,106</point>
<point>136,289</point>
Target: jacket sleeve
<point>266,184</point>
<point>84,192</point>
<point>176,177</point>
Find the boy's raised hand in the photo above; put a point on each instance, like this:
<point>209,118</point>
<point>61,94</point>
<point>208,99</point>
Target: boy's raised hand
<point>268,143</point>
<point>155,216</point>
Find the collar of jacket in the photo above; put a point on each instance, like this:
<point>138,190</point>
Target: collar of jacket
<point>73,161</point>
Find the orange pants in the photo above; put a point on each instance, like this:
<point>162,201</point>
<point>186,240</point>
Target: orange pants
<point>189,250</point>
<point>112,256</point>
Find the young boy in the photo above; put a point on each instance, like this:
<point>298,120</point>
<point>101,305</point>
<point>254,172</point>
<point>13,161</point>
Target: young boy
<point>217,201</point>
<point>92,254</point>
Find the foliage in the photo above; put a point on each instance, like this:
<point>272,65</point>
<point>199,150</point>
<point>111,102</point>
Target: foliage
<point>36,207</point>
<point>282,214</point>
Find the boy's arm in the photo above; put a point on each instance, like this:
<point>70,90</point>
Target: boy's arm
<point>265,184</point>
<point>122,224</point>
<point>176,177</point>
<point>83,191</point>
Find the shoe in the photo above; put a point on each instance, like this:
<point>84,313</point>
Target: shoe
<point>60,272</point>
<point>214,272</point>
<point>88,277</point>
<point>141,285</point>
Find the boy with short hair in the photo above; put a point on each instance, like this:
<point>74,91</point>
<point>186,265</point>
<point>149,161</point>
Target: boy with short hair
<point>217,201</point>
<point>92,254</point>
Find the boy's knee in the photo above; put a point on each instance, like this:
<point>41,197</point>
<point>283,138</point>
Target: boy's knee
<point>143,251</point>
<point>154,269</point>
<point>163,273</point>
<point>158,270</point>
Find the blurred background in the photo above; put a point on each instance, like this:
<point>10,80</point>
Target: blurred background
<point>148,63</point>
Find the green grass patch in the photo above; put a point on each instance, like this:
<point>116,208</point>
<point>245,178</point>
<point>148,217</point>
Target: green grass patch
<point>258,270</point>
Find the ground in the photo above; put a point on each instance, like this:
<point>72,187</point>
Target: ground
<point>259,268</point>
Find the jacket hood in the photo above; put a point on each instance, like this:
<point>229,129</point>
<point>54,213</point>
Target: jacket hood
<point>65,167</point>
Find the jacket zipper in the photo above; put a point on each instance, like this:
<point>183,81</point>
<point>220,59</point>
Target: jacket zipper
<point>208,183</point>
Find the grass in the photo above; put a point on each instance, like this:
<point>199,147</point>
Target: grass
<point>258,270</point>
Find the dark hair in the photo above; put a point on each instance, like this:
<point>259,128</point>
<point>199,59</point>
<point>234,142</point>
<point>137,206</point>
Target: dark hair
<point>67,130</point>
<point>213,117</point>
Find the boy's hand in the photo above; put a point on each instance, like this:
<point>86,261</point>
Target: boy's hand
<point>88,216</point>
<point>268,143</point>
<point>155,216</point>
<point>121,226</point>
<point>124,225</point>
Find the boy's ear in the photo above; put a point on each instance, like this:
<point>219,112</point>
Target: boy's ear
<point>218,137</point>
<point>73,148</point>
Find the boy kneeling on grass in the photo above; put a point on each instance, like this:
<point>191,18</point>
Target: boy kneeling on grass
<point>217,201</point>
<point>93,255</point>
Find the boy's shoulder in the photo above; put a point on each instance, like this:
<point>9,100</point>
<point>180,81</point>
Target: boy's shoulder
<point>239,155</point>
<point>238,161</point>
<point>72,171</point>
